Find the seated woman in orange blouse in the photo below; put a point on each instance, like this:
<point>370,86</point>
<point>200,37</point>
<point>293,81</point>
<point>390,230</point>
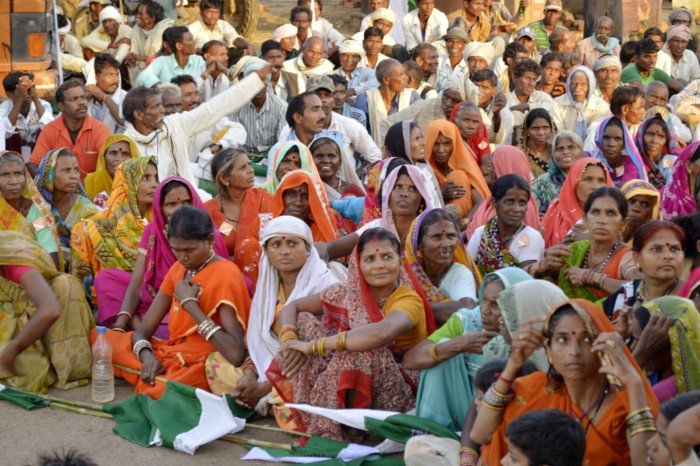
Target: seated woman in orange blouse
<point>237,208</point>
<point>207,305</point>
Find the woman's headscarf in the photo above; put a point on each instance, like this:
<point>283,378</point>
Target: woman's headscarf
<point>507,160</point>
<point>397,141</point>
<point>324,224</point>
<point>685,339</point>
<point>460,256</point>
<point>634,160</point>
<point>10,219</point>
<point>556,174</point>
<point>314,277</point>
<point>691,284</point>
<point>307,163</point>
<point>581,125</point>
<point>100,180</point>
<point>678,198</point>
<point>643,188</point>
<point>531,299</point>
<point>479,143</point>
<point>565,212</point>
<point>671,147</point>
<point>44,179</point>
<point>415,174</point>
<point>159,256</point>
<point>346,170</point>
<point>112,237</point>
<point>460,159</point>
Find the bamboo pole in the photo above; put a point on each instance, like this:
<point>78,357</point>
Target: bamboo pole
<point>255,443</point>
<point>136,372</point>
<point>76,409</point>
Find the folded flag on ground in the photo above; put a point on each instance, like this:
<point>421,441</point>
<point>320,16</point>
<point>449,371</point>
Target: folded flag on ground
<point>22,399</point>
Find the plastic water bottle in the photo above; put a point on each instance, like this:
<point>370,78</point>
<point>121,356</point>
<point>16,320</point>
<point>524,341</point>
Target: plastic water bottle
<point>102,370</point>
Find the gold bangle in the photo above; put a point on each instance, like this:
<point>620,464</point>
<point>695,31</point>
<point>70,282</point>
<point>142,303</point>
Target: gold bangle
<point>340,343</point>
<point>322,347</point>
<point>468,449</point>
<point>642,429</point>
<point>639,411</point>
<point>433,353</point>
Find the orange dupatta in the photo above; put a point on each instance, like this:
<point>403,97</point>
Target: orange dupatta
<point>183,355</point>
<point>464,167</point>
<point>242,244</point>
<point>324,226</point>
<point>564,212</point>
<point>507,160</point>
<point>606,439</point>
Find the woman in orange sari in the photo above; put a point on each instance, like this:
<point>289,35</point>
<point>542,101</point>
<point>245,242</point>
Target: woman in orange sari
<point>207,305</point>
<point>584,177</point>
<point>300,196</point>
<point>457,171</point>
<point>237,208</point>
<point>593,377</point>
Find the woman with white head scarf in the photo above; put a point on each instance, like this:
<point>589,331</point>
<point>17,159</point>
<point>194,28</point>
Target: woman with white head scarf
<point>290,268</point>
<point>579,107</point>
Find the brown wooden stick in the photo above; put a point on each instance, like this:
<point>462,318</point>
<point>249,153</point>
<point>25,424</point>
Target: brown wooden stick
<point>255,443</point>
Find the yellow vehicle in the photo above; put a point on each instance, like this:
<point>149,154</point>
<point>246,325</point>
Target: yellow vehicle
<point>25,41</point>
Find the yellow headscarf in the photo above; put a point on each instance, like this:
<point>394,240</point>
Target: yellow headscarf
<point>100,180</point>
<point>643,188</point>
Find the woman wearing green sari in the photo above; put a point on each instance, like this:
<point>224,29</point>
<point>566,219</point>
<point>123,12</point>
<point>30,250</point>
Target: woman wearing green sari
<point>449,358</point>
<point>44,320</point>
<point>672,362</point>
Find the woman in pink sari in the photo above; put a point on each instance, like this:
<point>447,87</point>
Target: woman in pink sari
<point>506,160</point>
<point>678,198</point>
<point>155,258</point>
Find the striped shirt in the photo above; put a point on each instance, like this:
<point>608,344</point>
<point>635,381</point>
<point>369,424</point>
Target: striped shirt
<point>263,127</point>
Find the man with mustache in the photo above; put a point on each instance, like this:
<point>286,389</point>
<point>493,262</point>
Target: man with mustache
<point>105,96</point>
<point>74,129</point>
<point>600,43</point>
<point>524,97</point>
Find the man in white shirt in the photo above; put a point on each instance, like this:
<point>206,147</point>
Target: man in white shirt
<point>426,55</point>
<point>147,36</point>
<point>455,42</point>
<point>656,95</point>
<point>323,28</point>
<point>359,78</point>
<point>168,138</point>
<point>310,63</point>
<point>23,113</point>
<point>684,66</point>
<point>424,24</point>
<point>384,20</point>
<point>210,26</point>
<point>373,46</point>
<point>524,97</point>
<point>105,96</point>
<point>111,37</point>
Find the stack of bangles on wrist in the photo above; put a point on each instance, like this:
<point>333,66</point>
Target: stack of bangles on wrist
<point>640,421</point>
<point>495,400</point>
<point>140,346</point>
<point>594,279</point>
<point>119,328</point>
<point>288,332</point>
<point>318,347</point>
<point>207,328</point>
<point>468,456</point>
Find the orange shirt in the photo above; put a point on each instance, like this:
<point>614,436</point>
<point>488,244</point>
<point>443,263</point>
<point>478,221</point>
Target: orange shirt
<point>90,140</point>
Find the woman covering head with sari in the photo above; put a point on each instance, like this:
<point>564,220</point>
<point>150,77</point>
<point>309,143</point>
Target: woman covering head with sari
<point>155,256</point>
<point>457,172</point>
<point>471,127</point>
<point>44,320</point>
<point>206,303</point>
<point>23,209</point>
<point>375,179</point>
<point>678,198</point>
<point>445,270</point>
<point>58,181</point>
<point>567,148</point>
<point>644,201</point>
<point>404,140</point>
<point>506,160</point>
<point>658,147</point>
<point>349,357</point>
<point>238,208</point>
<point>674,367</point>
<point>584,177</point>
<point>290,155</point>
<point>592,376</point>
<point>107,244</point>
<point>616,149</point>
<point>450,357</point>
<point>116,149</point>
<point>338,175</point>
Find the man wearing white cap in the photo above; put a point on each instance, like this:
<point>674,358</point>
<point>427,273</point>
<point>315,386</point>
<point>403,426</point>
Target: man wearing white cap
<point>607,71</point>
<point>112,37</point>
<point>88,17</point>
<point>600,43</point>
<point>479,56</point>
<point>147,37</point>
<point>359,78</point>
<point>383,19</point>
<point>424,24</point>
<point>455,43</point>
<point>72,58</point>
<point>684,66</point>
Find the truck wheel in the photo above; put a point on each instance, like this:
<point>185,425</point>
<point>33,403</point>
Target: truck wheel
<point>243,14</point>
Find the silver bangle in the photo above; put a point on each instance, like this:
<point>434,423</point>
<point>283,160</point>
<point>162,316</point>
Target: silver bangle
<point>125,313</point>
<point>187,300</point>
<point>211,332</point>
<point>140,346</point>
<point>205,326</point>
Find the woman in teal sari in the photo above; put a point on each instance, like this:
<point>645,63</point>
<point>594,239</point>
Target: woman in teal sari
<point>291,155</point>
<point>450,357</point>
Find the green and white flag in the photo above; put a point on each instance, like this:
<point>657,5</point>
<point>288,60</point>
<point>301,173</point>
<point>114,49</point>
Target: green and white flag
<point>22,399</point>
<point>184,418</point>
